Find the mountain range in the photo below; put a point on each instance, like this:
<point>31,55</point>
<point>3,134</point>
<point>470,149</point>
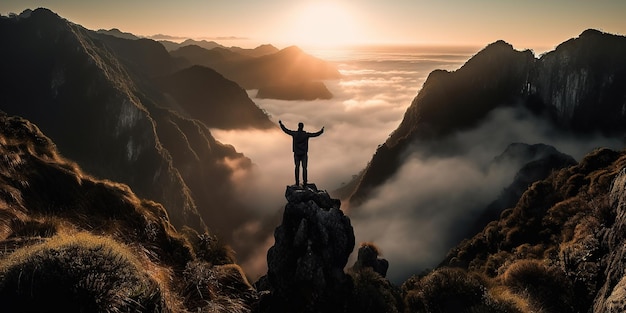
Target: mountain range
<point>289,66</point>
<point>578,87</point>
<point>97,98</point>
<point>114,193</point>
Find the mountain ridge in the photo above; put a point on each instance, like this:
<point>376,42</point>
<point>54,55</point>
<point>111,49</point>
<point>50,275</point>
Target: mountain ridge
<point>108,118</point>
<point>287,66</point>
<point>453,101</point>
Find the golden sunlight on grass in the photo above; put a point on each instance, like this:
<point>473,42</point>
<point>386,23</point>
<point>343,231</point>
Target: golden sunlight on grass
<point>323,24</point>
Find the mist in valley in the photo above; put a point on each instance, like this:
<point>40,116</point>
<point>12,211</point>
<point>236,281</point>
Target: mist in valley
<point>429,204</point>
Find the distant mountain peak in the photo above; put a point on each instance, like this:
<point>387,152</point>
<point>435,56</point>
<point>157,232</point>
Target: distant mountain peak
<point>117,33</point>
<point>591,33</point>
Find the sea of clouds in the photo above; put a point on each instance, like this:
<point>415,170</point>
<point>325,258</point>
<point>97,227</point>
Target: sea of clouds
<point>419,213</point>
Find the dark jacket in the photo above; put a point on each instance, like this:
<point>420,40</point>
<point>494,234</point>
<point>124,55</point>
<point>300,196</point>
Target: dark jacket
<point>300,144</point>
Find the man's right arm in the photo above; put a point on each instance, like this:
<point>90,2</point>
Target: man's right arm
<point>288,131</point>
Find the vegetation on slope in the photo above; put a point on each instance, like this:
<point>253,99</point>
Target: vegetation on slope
<point>549,253</point>
<point>71,242</point>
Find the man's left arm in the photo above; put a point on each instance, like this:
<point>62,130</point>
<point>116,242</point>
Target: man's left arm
<point>317,133</point>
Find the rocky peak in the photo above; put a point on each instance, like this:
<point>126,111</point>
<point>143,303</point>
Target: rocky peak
<point>368,257</point>
<point>311,249</point>
<point>581,82</point>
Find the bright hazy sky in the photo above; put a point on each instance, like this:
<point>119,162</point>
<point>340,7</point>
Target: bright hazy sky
<point>533,24</point>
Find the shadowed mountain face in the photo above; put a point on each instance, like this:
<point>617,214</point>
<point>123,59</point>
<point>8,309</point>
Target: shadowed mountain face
<point>202,93</point>
<point>103,111</point>
<point>579,86</point>
<point>195,91</point>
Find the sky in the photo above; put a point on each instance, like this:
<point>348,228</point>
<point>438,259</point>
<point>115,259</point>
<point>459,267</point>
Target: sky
<point>531,24</point>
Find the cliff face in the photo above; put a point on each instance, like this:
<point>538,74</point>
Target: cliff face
<point>612,283</point>
<point>581,83</point>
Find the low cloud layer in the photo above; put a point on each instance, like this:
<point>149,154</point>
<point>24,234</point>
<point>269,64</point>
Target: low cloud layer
<point>416,217</point>
<point>429,205</point>
<point>368,104</point>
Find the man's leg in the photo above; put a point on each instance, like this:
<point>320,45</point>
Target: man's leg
<point>305,161</point>
<point>296,161</point>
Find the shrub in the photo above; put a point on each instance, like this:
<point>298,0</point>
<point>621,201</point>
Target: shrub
<point>221,288</point>
<point>32,228</point>
<point>373,293</point>
<point>546,287</point>
<point>80,273</point>
<point>447,290</point>
<point>209,247</point>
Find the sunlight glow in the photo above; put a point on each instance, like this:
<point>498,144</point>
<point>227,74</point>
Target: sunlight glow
<point>323,24</point>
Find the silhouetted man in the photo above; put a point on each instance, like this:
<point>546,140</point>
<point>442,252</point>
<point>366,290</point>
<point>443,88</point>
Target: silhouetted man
<point>300,148</point>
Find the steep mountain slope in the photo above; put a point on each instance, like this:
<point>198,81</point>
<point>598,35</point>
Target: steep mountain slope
<point>448,102</point>
<point>579,86</point>
<point>73,86</point>
<point>202,93</point>
<point>73,243</point>
<point>194,92</point>
<point>566,232</point>
<point>536,162</point>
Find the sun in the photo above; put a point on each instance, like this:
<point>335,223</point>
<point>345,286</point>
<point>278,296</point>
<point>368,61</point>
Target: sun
<point>323,24</point>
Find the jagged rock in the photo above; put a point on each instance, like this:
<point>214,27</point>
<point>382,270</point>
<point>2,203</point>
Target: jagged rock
<point>312,246</point>
<point>368,257</point>
<point>610,296</point>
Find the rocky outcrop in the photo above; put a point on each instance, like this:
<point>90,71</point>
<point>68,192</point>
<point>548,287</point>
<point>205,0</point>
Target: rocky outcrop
<point>612,290</point>
<point>368,257</point>
<point>311,249</point>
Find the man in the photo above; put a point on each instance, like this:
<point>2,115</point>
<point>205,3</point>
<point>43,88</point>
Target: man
<point>300,147</point>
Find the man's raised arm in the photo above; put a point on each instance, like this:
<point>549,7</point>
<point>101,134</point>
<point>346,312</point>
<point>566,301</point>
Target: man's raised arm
<point>288,131</point>
<point>317,134</point>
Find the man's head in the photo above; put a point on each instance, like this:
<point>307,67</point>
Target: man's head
<point>300,126</point>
